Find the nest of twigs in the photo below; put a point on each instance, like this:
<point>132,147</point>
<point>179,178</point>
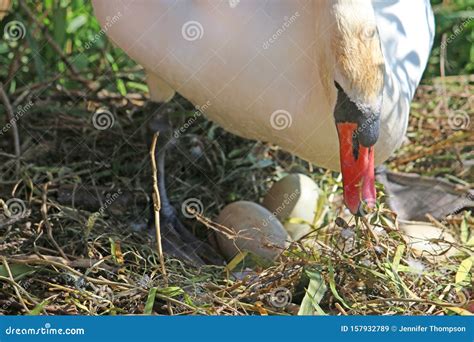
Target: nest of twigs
<point>61,254</point>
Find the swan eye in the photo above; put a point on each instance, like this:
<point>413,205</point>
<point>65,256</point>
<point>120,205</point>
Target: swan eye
<point>368,33</point>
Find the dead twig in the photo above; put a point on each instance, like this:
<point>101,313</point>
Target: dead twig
<point>60,264</point>
<point>371,231</point>
<point>12,121</point>
<point>219,228</point>
<point>157,208</point>
<point>14,284</point>
<point>49,228</point>
<point>410,300</point>
<point>157,204</point>
<point>341,309</point>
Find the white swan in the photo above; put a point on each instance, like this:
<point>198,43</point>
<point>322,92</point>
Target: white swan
<point>295,73</point>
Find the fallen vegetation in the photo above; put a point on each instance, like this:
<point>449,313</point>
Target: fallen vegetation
<point>75,198</point>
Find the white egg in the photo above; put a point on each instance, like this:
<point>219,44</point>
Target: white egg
<point>257,230</point>
<point>430,242</point>
<point>293,197</point>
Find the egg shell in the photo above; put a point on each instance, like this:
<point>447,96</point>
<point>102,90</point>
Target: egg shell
<point>293,196</point>
<point>257,230</point>
<point>418,236</point>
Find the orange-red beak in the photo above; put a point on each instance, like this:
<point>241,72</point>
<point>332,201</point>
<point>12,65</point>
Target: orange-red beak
<point>357,167</point>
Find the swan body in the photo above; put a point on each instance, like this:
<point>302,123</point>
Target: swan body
<point>266,70</point>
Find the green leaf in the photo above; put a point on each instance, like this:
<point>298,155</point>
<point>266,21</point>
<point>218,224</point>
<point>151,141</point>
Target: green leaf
<point>171,291</point>
<point>462,275</point>
<point>18,271</point>
<point>37,60</point>
<point>236,260</point>
<point>297,220</point>
<point>319,210</point>
<point>470,242</point>
<point>188,300</point>
<point>80,61</point>
<point>460,311</point>
<point>90,223</point>
<point>59,20</point>
<point>398,257</point>
<point>38,309</point>
<point>139,86</point>
<point>150,301</point>
<point>76,23</point>
<point>315,292</point>
<point>113,248</point>
<point>332,286</point>
<point>464,230</point>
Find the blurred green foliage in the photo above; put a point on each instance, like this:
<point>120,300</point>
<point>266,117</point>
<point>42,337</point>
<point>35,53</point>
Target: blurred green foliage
<point>454,37</point>
<point>71,24</point>
<point>75,30</point>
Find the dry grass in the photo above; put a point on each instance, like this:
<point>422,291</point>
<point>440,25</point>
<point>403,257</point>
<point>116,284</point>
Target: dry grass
<point>73,258</point>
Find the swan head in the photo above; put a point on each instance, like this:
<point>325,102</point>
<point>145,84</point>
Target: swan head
<point>359,80</point>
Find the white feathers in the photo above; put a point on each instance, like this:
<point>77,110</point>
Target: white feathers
<point>248,71</point>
